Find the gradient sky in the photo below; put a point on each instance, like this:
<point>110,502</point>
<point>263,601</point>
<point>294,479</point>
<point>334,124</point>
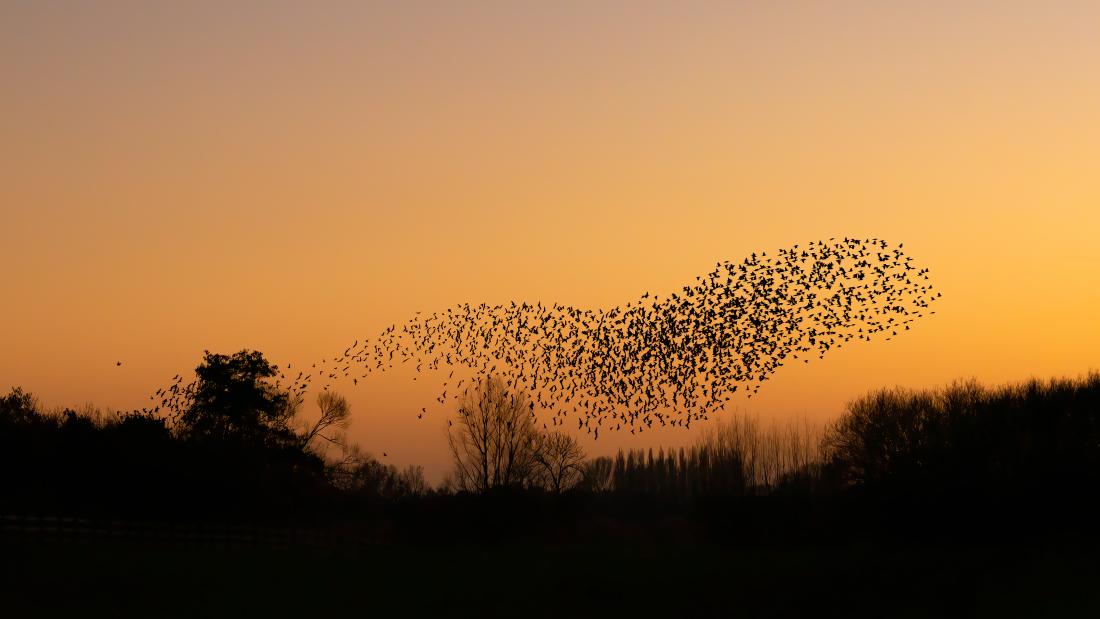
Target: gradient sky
<point>291,177</point>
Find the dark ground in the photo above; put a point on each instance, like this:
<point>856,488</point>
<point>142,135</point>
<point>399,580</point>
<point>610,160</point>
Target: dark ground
<point>525,578</point>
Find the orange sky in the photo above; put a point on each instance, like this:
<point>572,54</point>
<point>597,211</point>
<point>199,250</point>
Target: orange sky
<point>290,178</point>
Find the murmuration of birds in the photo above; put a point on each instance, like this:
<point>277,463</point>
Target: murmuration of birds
<point>657,360</point>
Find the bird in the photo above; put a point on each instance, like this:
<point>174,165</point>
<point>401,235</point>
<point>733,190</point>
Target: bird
<point>680,355</point>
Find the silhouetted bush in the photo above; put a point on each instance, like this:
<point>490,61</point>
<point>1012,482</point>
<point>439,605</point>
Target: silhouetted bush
<point>18,409</point>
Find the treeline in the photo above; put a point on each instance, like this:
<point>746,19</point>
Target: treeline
<point>963,439</point>
<point>1037,435</point>
<point>236,446</point>
<point>739,457</point>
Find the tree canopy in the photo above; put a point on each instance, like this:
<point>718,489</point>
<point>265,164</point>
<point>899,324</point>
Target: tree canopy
<point>234,401</point>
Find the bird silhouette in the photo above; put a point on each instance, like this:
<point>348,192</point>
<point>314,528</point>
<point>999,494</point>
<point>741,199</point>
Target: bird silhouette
<point>669,359</point>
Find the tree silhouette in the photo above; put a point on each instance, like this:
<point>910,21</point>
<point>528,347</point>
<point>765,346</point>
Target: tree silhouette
<point>335,415</point>
<point>234,402</point>
<point>18,408</point>
<point>494,440</point>
<point>364,477</point>
<point>598,475</point>
<point>967,437</point>
<point>559,461</point>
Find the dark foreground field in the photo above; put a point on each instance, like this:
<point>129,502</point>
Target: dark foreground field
<point>522,578</point>
<point>964,502</point>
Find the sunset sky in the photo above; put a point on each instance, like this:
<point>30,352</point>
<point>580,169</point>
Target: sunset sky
<point>290,177</point>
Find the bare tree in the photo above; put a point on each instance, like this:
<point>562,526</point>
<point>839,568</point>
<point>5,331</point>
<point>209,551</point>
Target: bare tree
<point>494,439</point>
<point>559,461</point>
<point>361,474</point>
<point>412,480</point>
<point>763,455</point>
<point>335,417</point>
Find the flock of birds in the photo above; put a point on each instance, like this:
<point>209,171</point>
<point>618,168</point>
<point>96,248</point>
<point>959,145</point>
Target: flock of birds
<point>656,361</point>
